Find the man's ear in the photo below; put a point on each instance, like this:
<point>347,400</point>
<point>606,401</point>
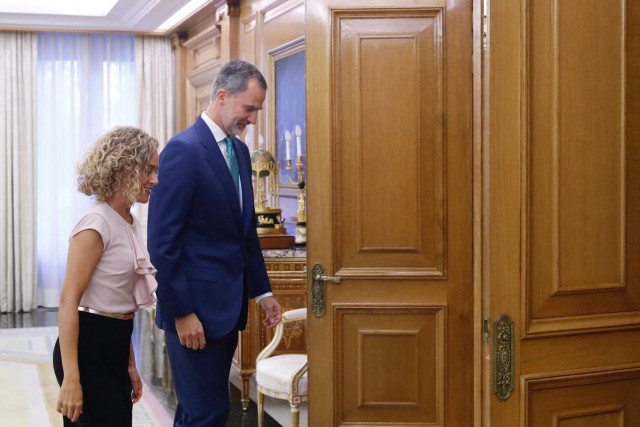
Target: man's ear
<point>222,95</point>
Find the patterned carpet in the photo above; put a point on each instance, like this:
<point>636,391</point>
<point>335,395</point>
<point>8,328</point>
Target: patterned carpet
<point>29,390</point>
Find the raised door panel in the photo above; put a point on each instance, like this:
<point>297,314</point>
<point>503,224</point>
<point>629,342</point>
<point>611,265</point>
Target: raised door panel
<point>282,22</point>
<point>581,167</point>
<point>391,61</point>
<point>392,367</point>
<point>584,400</point>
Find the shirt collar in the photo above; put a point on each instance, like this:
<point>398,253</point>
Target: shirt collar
<point>217,132</point>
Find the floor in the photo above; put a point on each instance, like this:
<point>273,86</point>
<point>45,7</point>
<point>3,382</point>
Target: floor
<point>160,387</point>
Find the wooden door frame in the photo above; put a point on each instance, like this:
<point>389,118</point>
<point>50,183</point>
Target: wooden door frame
<point>481,359</point>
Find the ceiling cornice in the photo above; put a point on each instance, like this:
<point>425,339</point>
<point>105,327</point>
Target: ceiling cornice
<point>136,16</point>
<point>136,10</point>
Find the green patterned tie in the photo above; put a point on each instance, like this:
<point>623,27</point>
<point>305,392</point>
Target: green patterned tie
<point>233,165</point>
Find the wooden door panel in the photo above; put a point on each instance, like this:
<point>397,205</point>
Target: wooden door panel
<point>390,211</point>
<point>577,224</point>
<point>593,399</point>
<point>576,122</point>
<point>391,363</point>
<point>390,61</point>
<point>561,353</point>
<point>563,206</point>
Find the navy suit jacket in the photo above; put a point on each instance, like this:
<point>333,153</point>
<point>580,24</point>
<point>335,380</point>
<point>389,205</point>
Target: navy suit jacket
<point>206,250</point>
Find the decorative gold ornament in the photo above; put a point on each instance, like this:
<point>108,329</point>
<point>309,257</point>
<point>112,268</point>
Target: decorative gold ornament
<point>503,357</point>
<point>266,196</point>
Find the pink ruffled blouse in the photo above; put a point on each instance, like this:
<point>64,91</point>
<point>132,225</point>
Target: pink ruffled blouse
<point>124,277</point>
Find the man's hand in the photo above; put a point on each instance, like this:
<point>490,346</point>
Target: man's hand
<point>191,332</point>
<point>272,310</point>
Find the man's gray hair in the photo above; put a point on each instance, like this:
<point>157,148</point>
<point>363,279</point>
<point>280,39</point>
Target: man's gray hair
<point>234,78</point>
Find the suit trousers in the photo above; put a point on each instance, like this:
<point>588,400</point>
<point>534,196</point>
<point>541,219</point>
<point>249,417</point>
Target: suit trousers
<point>201,378</point>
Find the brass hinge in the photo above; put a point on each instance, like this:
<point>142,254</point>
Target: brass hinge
<point>486,326</point>
<point>485,26</point>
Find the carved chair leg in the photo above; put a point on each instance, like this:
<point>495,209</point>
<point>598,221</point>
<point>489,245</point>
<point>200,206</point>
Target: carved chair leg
<point>295,414</point>
<point>260,409</point>
<point>246,377</point>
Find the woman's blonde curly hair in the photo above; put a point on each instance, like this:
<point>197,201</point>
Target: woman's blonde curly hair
<point>124,150</point>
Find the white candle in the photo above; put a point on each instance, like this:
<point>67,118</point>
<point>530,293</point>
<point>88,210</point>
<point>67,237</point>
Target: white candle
<point>287,140</point>
<point>299,140</point>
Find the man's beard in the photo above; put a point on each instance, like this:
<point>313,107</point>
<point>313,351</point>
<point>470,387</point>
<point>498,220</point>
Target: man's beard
<point>233,126</point>
<point>236,128</point>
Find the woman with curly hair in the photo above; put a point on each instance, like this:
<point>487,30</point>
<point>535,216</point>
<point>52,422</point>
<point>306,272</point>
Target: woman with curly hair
<point>108,277</point>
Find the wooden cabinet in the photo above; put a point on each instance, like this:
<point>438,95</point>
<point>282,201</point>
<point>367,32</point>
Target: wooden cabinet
<point>287,272</point>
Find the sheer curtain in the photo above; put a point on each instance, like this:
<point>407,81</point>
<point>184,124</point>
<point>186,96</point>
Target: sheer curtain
<point>154,100</point>
<point>154,95</point>
<point>18,65</point>
<point>86,85</point>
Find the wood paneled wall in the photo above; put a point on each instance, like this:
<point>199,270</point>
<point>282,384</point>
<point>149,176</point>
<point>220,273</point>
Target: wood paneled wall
<point>252,30</point>
<point>199,52</point>
<point>265,28</point>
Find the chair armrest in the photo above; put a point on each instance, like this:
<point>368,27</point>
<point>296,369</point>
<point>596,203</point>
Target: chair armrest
<point>270,348</point>
<point>293,315</point>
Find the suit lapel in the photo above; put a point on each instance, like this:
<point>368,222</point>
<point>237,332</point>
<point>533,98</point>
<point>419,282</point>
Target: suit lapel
<point>217,162</point>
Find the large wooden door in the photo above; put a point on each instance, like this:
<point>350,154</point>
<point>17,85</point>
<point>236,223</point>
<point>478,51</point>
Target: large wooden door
<point>562,210</point>
<point>389,127</point>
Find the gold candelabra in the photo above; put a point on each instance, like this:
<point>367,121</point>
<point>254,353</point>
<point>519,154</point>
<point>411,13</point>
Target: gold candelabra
<point>301,224</point>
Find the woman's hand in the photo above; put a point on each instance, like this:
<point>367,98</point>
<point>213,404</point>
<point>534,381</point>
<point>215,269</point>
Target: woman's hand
<point>136,382</point>
<point>70,399</point>
<point>136,385</point>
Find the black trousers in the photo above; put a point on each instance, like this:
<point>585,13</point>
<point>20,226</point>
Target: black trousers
<point>103,360</point>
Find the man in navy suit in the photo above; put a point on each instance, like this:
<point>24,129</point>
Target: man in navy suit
<point>202,240</point>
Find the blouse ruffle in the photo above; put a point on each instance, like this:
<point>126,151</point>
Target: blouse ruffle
<point>146,285</point>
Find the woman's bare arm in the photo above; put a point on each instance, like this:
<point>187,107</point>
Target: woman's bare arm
<point>85,250</point>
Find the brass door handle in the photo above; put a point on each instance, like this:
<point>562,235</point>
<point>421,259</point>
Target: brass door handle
<point>323,278</point>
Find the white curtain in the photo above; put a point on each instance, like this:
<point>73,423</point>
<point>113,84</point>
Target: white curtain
<point>154,100</point>
<point>86,85</point>
<point>18,65</point>
<point>154,95</point>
